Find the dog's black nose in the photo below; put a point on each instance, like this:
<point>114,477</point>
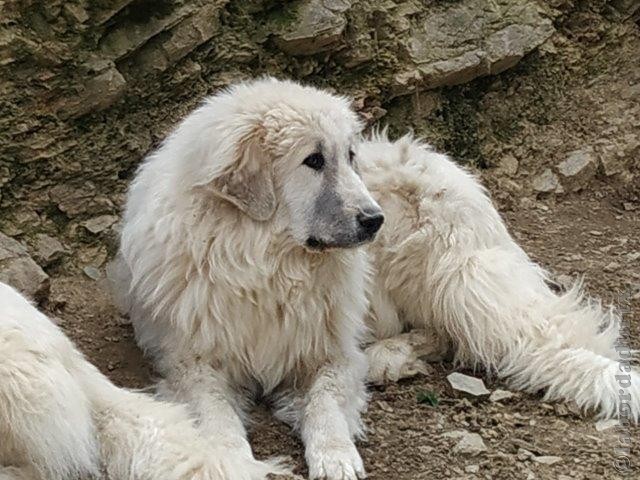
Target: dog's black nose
<point>370,221</point>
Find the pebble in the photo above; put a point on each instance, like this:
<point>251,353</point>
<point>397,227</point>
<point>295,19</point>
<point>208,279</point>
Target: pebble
<point>465,383</point>
<point>547,460</point>
<point>603,425</point>
<point>92,272</point>
<point>498,395</point>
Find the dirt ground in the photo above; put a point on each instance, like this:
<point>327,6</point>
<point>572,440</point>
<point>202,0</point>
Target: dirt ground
<point>588,235</point>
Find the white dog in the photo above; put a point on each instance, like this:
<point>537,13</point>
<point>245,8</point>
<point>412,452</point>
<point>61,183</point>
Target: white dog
<point>445,262</point>
<point>238,241</point>
<point>61,419</point>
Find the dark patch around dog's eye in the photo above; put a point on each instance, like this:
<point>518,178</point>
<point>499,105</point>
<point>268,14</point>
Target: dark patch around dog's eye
<point>352,156</point>
<point>315,161</point>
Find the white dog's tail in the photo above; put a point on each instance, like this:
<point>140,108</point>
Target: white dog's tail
<point>499,311</point>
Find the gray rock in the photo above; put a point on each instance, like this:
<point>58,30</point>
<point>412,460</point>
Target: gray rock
<point>183,38</point>
<point>499,395</point>
<point>603,425</point>
<point>19,270</point>
<point>578,168</point>
<point>546,182</point>
<point>98,93</point>
<point>547,460</point>
<point>99,224</point>
<point>315,26</point>
<point>92,272</point>
<point>468,444</point>
<point>47,249</point>
<point>465,383</point>
<point>471,39</point>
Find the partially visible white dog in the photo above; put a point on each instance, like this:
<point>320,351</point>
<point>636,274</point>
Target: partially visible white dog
<point>241,272</point>
<point>445,262</point>
<point>61,419</point>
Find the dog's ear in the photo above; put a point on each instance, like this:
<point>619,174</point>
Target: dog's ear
<point>248,181</point>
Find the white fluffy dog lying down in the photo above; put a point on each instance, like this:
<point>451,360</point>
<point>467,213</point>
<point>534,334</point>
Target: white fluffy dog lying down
<point>239,243</point>
<point>61,419</point>
<point>444,262</point>
<point>244,273</point>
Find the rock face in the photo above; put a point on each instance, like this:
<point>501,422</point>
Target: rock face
<point>20,271</point>
<point>90,87</point>
<point>471,39</point>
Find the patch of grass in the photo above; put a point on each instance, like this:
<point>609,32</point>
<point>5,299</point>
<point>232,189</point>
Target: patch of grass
<point>427,397</point>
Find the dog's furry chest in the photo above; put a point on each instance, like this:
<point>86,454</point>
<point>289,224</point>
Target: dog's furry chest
<point>279,325</point>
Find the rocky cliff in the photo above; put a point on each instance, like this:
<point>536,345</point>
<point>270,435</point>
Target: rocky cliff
<point>544,93</point>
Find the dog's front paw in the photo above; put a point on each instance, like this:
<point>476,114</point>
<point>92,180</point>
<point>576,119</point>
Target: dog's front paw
<point>335,461</point>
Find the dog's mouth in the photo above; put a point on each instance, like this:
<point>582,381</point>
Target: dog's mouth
<point>318,245</point>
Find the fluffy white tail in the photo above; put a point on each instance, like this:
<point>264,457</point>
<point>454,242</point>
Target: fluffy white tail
<point>499,311</point>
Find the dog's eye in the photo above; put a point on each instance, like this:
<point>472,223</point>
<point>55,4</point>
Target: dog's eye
<point>315,161</point>
<point>352,156</point>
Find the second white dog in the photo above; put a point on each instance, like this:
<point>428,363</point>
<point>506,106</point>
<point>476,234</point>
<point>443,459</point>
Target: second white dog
<point>446,263</point>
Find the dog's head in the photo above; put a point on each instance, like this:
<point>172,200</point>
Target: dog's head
<point>281,148</point>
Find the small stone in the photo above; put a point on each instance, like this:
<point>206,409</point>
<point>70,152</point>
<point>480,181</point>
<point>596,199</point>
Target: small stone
<point>524,454</point>
<point>92,272</point>
<point>384,406</point>
<point>628,206</point>
<point>48,249</point>
<point>499,395</point>
<point>18,270</point>
<point>578,168</point>
<point>596,233</point>
<point>603,425</point>
<point>99,224</point>
<point>633,256</point>
<point>472,468</point>
<point>546,182</point>
<point>612,267</point>
<point>547,460</point>
<point>470,444</point>
<point>465,383</point>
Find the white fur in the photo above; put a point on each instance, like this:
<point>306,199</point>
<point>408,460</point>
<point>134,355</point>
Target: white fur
<point>444,261</point>
<point>221,291</point>
<point>61,419</point>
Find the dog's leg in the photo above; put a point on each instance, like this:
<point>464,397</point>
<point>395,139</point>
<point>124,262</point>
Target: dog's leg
<point>217,410</point>
<point>330,418</point>
<point>393,355</point>
<point>404,356</point>
<point>215,406</point>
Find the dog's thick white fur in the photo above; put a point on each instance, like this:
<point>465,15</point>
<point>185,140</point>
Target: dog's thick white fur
<point>61,419</point>
<point>445,262</point>
<point>239,280</point>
